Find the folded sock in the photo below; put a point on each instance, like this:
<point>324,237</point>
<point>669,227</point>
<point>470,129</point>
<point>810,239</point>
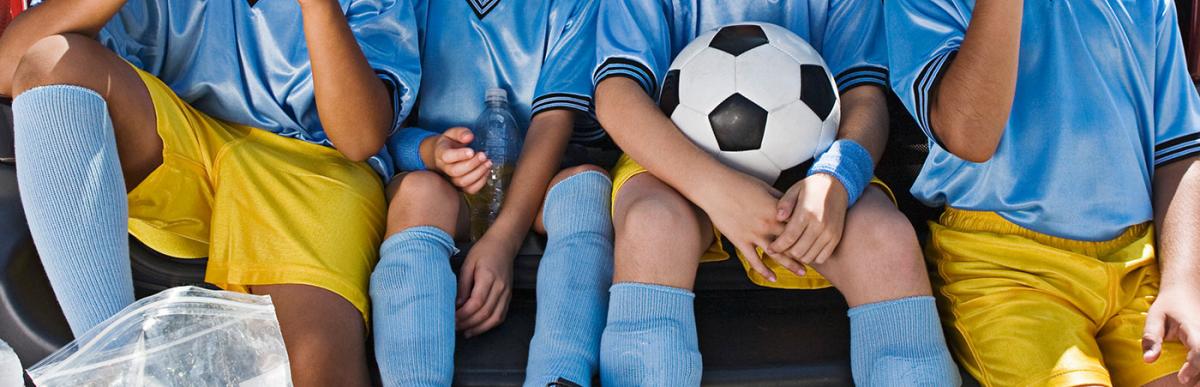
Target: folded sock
<point>900,343</point>
<point>412,292</point>
<point>651,338</point>
<point>573,280</point>
<point>73,193</point>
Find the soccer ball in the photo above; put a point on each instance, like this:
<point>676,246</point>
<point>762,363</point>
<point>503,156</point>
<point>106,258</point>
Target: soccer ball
<point>757,97</point>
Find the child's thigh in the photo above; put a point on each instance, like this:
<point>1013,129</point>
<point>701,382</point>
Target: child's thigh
<point>878,257</point>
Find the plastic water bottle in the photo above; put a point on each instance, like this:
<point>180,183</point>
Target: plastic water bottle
<point>10,367</point>
<point>495,135</point>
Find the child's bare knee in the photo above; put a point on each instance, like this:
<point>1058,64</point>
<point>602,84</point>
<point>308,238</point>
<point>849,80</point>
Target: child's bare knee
<point>58,59</point>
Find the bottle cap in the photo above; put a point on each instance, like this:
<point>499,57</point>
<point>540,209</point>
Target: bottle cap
<point>496,94</point>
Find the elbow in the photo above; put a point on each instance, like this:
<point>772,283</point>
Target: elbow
<point>971,139</point>
<point>362,149</point>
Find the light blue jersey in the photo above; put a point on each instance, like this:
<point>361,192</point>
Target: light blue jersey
<point>539,51</point>
<point>638,39</point>
<point>1103,97</point>
<point>250,65</point>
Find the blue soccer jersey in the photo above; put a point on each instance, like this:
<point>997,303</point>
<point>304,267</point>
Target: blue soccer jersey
<point>1103,97</point>
<point>638,39</point>
<point>249,64</point>
<point>539,51</point>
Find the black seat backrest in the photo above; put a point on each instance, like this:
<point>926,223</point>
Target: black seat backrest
<point>6,131</point>
<point>902,160</point>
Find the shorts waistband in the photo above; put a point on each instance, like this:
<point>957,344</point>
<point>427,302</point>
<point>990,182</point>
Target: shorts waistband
<point>990,222</point>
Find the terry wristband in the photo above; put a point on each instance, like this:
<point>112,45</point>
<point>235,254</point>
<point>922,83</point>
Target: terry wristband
<point>850,163</point>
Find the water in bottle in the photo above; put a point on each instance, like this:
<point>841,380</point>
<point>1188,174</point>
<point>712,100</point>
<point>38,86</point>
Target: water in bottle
<point>10,367</point>
<point>496,136</point>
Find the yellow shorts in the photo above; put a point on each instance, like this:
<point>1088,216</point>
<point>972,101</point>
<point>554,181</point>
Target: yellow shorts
<point>1028,309</point>
<point>263,208</point>
<point>626,169</point>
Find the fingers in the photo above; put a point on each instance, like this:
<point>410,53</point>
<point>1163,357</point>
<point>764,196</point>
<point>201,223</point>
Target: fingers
<point>473,181</point>
<point>498,314</point>
<point>460,134</point>
<point>479,294</point>
<point>473,323</point>
<point>449,155</point>
<point>462,168</point>
<point>802,247</point>
<point>788,263</point>
<point>1152,335</point>
<point>466,279</point>
<point>1190,371</point>
<point>826,252</point>
<point>752,257</point>
<point>791,233</point>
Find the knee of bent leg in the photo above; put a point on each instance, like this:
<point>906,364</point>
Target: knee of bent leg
<point>422,197</point>
<point>657,214</point>
<point>57,59</point>
<point>576,170</point>
<point>886,234</point>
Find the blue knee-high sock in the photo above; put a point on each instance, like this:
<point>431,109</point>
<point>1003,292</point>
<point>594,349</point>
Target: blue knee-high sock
<point>573,280</point>
<point>651,338</point>
<point>73,193</point>
<point>900,343</point>
<point>412,292</point>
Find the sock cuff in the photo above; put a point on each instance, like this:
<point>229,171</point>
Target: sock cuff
<point>427,234</point>
<point>635,300</point>
<point>896,308</point>
<point>74,99</point>
<point>581,202</point>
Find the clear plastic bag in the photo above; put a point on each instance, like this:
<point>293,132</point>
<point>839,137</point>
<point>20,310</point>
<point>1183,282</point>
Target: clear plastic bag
<point>185,336</point>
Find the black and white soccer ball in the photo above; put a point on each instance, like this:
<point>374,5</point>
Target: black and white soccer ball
<point>757,97</point>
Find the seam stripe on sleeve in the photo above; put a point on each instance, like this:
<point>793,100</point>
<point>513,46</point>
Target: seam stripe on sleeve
<point>923,85</point>
<point>1178,151</point>
<point>1166,146</point>
<point>859,71</point>
<point>548,101</point>
<point>618,66</point>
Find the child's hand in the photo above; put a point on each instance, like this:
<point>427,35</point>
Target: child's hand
<point>466,169</point>
<point>485,285</point>
<point>1175,317</point>
<point>743,208</point>
<point>815,212</point>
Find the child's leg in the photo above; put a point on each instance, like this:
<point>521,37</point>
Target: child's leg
<point>324,334</point>
<point>413,287</point>
<point>573,278</point>
<point>650,338</point>
<point>80,147</point>
<point>895,334</point>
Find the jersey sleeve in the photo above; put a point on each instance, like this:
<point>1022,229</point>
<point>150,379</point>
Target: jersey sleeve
<point>139,32</point>
<point>1176,103</point>
<point>855,47</point>
<point>927,34</point>
<point>386,32</point>
<point>565,81</point>
<point>633,40</point>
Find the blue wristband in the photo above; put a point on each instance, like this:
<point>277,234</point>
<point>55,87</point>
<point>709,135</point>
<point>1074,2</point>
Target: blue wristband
<point>850,163</point>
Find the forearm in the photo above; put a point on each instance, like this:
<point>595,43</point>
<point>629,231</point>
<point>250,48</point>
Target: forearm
<point>970,106</point>
<point>50,18</point>
<point>865,119</point>
<point>641,130</point>
<point>1177,221</point>
<point>545,143</point>
<point>352,102</point>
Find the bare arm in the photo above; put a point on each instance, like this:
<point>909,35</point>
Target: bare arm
<point>970,106</point>
<point>742,207</point>
<point>1177,219</point>
<point>637,125</point>
<point>865,119</point>
<point>352,101</point>
<point>51,18</point>
<point>1174,315</point>
<point>545,143</point>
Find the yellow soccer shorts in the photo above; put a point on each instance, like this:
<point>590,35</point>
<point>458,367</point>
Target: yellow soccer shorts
<point>626,169</point>
<point>264,209</point>
<point>1027,309</point>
